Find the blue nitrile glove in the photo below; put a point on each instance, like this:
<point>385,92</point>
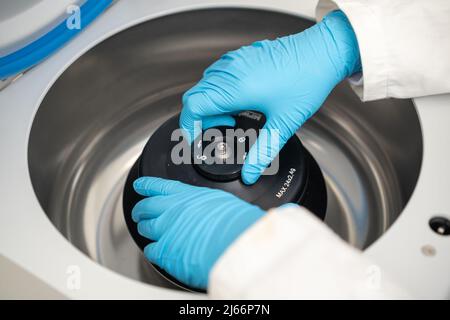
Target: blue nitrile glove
<point>192,226</point>
<point>287,79</point>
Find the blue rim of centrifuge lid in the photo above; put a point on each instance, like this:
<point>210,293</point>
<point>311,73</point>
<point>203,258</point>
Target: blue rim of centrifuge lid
<point>37,51</point>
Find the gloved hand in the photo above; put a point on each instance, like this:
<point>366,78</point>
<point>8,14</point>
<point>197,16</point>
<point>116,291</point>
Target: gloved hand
<point>192,226</point>
<point>287,79</point>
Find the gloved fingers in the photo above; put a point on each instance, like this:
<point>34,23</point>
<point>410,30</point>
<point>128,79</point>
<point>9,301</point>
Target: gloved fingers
<point>149,229</point>
<point>152,186</point>
<point>153,252</point>
<point>150,208</point>
<point>222,64</point>
<point>213,96</point>
<point>156,253</point>
<point>155,228</point>
<point>190,121</point>
<point>197,106</point>
<point>216,121</point>
<point>266,148</point>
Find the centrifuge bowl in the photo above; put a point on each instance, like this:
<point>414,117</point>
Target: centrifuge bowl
<point>96,118</point>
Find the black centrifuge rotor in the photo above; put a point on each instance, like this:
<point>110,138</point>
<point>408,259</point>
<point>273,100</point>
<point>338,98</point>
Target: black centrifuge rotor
<point>298,178</point>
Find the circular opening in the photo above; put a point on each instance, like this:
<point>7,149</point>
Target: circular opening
<point>95,119</point>
<point>440,225</point>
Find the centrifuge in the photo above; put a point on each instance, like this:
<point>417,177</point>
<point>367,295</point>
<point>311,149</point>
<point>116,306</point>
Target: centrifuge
<point>74,125</point>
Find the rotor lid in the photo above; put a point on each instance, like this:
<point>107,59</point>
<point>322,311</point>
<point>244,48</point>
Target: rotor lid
<point>295,178</point>
<point>284,181</point>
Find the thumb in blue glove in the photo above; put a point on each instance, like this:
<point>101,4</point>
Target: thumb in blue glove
<point>287,80</point>
<point>191,226</point>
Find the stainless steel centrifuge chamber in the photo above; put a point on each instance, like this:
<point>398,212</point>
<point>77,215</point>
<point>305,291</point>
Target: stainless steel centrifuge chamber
<point>73,126</point>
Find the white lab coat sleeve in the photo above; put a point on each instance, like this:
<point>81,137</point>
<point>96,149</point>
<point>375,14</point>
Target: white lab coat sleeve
<point>404,45</point>
<point>290,254</point>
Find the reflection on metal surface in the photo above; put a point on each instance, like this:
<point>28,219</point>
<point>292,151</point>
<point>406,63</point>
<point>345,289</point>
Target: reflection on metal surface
<point>94,121</point>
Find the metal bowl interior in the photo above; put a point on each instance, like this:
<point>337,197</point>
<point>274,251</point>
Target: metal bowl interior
<point>95,119</point>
